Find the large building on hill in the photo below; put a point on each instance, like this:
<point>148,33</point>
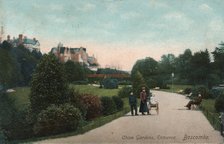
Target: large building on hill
<point>75,54</point>
<point>31,44</point>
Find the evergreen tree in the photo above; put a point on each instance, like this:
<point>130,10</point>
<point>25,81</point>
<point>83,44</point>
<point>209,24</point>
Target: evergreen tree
<point>48,84</point>
<point>137,82</point>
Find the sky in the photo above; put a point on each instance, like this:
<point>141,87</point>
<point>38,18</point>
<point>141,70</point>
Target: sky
<point>118,32</point>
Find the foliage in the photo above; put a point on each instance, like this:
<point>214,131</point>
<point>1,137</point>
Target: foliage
<point>200,65</point>
<point>201,89</point>
<point>92,104</point>
<point>74,71</point>
<point>124,92</point>
<point>3,138</point>
<point>108,105</point>
<point>16,65</point>
<point>218,55</point>
<point>138,82</point>
<point>57,119</point>
<point>109,71</point>
<point>48,84</point>
<point>109,83</point>
<point>187,90</point>
<point>95,90</point>
<point>219,103</point>
<point>75,99</point>
<point>16,124</point>
<point>9,71</point>
<point>118,102</point>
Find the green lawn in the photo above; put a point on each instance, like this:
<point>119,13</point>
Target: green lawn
<point>21,96</point>
<point>209,111</point>
<point>176,88</point>
<point>89,89</point>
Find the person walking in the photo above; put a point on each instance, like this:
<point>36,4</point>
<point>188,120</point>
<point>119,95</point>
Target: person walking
<point>143,103</point>
<point>133,103</point>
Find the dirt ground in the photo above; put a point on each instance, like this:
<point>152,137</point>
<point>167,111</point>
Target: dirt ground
<point>173,124</point>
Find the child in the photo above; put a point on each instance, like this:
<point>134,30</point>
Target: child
<point>133,103</point>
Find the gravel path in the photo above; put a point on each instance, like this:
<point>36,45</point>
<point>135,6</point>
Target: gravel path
<point>174,124</point>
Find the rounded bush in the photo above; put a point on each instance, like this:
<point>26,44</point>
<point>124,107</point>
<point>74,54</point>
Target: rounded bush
<point>187,90</point>
<point>124,92</point>
<point>75,99</point>
<point>118,102</point>
<point>109,83</point>
<point>219,103</point>
<point>57,119</point>
<point>203,90</point>
<point>92,104</point>
<point>108,105</point>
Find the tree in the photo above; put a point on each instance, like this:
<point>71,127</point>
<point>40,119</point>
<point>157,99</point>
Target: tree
<point>218,55</point>
<point>137,82</point>
<point>9,74</point>
<point>48,84</point>
<point>74,71</point>
<point>183,66</point>
<point>200,68</point>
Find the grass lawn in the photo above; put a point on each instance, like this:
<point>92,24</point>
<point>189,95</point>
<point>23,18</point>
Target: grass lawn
<point>209,111</point>
<point>21,96</point>
<point>176,88</point>
<point>95,90</point>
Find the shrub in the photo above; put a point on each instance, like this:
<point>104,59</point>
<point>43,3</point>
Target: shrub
<point>203,90</point>
<point>187,90</point>
<point>57,119</point>
<point>118,102</point>
<point>48,84</point>
<point>124,92</point>
<point>109,83</point>
<point>92,104</point>
<point>2,137</point>
<point>108,105</point>
<point>219,103</point>
<point>75,100</point>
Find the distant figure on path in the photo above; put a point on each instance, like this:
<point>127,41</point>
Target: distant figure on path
<point>197,101</point>
<point>143,103</point>
<point>222,122</point>
<point>133,103</point>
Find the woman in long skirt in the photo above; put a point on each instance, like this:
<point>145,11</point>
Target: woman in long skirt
<point>143,103</point>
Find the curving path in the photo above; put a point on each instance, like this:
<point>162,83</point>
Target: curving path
<point>174,124</point>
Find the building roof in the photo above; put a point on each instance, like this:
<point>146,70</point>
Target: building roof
<point>30,41</point>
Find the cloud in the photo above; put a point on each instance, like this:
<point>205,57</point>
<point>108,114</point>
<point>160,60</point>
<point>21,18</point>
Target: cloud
<point>87,7</point>
<point>205,8</point>
<point>174,15</point>
<point>130,15</point>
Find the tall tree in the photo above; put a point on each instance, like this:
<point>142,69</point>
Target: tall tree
<point>183,65</point>
<point>218,55</point>
<point>137,82</point>
<point>200,67</point>
<point>48,84</point>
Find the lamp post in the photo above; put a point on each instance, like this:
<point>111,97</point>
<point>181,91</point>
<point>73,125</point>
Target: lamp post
<point>172,75</point>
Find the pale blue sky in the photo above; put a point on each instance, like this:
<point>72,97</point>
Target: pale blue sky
<point>118,32</point>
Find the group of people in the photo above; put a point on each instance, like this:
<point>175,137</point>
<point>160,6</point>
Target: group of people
<point>144,107</point>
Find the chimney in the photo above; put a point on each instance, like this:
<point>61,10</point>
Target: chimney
<point>20,38</point>
<point>8,38</point>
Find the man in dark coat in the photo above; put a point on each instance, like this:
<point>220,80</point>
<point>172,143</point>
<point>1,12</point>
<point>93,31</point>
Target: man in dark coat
<point>133,103</point>
<point>197,101</point>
